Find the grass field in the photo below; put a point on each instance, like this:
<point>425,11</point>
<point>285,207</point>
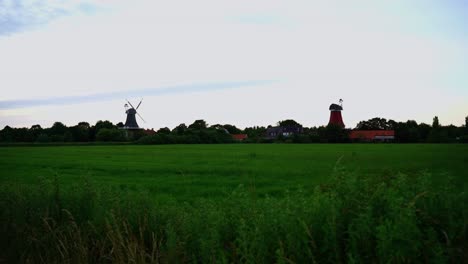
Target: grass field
<point>234,203</point>
<point>188,171</point>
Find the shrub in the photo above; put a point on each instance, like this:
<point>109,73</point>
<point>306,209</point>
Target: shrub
<point>43,138</point>
<point>110,134</point>
<point>354,218</point>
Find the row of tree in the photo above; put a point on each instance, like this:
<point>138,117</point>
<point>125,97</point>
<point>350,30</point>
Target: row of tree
<point>412,132</point>
<point>199,132</point>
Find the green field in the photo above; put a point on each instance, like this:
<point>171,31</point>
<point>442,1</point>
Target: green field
<point>188,171</point>
<point>238,203</point>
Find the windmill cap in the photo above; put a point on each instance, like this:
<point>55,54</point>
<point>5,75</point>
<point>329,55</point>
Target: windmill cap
<point>335,107</point>
<point>131,111</point>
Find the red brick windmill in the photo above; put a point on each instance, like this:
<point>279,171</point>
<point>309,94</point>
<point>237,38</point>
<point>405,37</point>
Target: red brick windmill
<point>335,114</point>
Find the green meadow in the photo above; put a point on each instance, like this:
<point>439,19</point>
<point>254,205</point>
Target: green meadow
<point>188,171</point>
<point>236,203</point>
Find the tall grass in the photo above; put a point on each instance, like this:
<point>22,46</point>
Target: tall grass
<point>352,219</point>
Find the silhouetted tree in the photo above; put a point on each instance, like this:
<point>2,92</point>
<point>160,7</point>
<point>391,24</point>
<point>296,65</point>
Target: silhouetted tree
<point>376,123</point>
<point>180,129</point>
<point>255,134</point>
<point>35,131</point>
<point>288,123</point>
<point>164,130</point>
<point>43,138</point>
<point>232,129</point>
<point>80,132</point>
<point>435,122</point>
<point>198,124</point>
<point>98,126</point>
<point>407,132</point>
<point>435,136</point>
<point>466,124</point>
<point>58,129</point>
<point>36,127</point>
<point>104,124</point>
<point>424,130</point>
<point>84,125</point>
<point>336,134</point>
<point>110,134</point>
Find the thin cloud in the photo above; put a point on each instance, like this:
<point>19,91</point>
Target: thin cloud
<point>179,89</point>
<point>19,15</point>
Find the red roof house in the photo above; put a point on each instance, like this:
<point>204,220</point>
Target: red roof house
<point>239,137</point>
<point>372,135</point>
<point>149,132</point>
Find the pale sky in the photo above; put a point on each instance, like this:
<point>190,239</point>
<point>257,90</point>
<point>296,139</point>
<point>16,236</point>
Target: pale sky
<point>240,62</point>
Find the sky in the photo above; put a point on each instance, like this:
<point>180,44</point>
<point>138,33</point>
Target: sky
<point>237,62</point>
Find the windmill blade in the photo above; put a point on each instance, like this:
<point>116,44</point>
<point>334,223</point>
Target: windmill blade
<point>141,117</point>
<point>139,104</point>
<point>130,104</point>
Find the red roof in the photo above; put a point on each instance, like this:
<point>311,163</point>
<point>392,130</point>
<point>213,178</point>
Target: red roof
<point>149,132</point>
<point>239,136</point>
<point>370,134</point>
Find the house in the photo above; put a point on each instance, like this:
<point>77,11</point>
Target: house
<point>372,135</point>
<point>239,137</point>
<point>149,132</point>
<point>285,131</point>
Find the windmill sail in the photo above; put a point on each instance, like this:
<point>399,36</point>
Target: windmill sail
<point>130,122</point>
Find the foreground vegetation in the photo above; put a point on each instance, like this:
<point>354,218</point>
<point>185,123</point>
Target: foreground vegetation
<point>234,203</point>
<point>353,218</point>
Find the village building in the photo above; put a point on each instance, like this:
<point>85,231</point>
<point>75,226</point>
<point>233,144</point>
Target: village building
<point>372,135</point>
<point>239,137</point>
<point>285,131</point>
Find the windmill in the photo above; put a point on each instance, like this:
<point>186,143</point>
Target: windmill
<point>131,111</point>
<point>335,114</point>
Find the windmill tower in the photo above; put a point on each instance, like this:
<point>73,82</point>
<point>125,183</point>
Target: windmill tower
<point>335,114</point>
<point>131,123</point>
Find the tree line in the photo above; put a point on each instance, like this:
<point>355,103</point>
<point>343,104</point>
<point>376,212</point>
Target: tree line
<point>199,132</point>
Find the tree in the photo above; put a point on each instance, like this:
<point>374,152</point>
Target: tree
<point>104,124</point>
<point>466,125</point>
<point>35,131</point>
<point>288,123</point>
<point>36,127</point>
<point>336,134</point>
<point>255,134</point>
<point>7,134</point>
<point>180,129</point>
<point>232,129</point>
<point>435,134</point>
<point>84,125</point>
<point>58,129</point>
<point>42,138</point>
<point>407,132</point>
<point>99,125</point>
<point>424,131</point>
<point>198,125</point>
<point>164,130</point>
<point>376,123</point>
<point>435,122</point>
<point>110,134</point>
<point>81,132</point>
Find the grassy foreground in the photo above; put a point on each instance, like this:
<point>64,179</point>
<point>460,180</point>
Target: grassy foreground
<point>278,203</point>
<point>188,171</point>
